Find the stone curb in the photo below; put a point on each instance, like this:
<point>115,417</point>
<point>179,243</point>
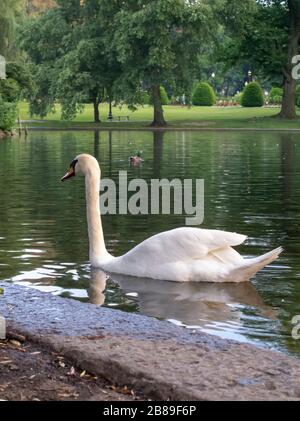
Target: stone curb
<point>162,361</point>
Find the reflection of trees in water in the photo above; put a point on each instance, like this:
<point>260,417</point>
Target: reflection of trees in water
<point>110,145</point>
<point>288,169</point>
<point>158,139</point>
<point>289,155</point>
<point>97,144</point>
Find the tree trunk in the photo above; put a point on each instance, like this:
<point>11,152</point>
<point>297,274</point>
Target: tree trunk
<point>96,112</point>
<point>288,108</point>
<point>158,120</point>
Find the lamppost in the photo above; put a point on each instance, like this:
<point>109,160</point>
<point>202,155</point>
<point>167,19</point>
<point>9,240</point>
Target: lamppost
<point>110,116</point>
<point>213,75</point>
<point>249,76</point>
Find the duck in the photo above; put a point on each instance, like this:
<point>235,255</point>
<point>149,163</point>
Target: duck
<point>137,159</point>
<point>184,254</point>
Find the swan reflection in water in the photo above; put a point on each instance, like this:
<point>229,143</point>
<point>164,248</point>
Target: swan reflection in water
<point>192,304</point>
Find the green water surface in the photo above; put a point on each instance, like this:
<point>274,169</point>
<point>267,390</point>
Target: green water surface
<point>252,186</point>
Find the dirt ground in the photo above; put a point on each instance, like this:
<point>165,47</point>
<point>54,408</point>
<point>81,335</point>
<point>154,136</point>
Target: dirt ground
<point>29,373</point>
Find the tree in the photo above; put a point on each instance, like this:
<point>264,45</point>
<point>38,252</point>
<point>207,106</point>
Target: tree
<point>252,95</point>
<point>163,96</point>
<point>44,39</point>
<point>156,41</point>
<point>270,40</point>
<point>17,78</point>
<point>89,69</point>
<point>204,95</point>
<point>288,109</point>
<point>10,12</point>
<point>72,63</point>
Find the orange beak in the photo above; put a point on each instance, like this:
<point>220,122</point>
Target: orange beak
<point>69,174</point>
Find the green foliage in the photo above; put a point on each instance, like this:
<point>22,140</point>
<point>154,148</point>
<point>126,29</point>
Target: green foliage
<point>238,97</point>
<point>163,97</point>
<point>8,115</point>
<point>9,90</point>
<point>275,95</point>
<point>267,27</point>
<point>17,82</point>
<point>252,95</point>
<point>298,102</point>
<point>297,93</point>
<point>145,98</point>
<point>157,41</point>
<point>268,44</point>
<point>10,14</point>
<point>72,59</point>
<point>204,95</point>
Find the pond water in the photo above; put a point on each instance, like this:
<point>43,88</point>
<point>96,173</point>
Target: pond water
<point>252,186</point>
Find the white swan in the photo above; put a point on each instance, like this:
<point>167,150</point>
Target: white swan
<point>182,254</point>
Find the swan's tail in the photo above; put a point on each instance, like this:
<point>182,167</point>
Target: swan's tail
<point>251,266</point>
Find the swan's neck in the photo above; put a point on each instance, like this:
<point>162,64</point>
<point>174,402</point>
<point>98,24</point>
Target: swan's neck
<point>98,250</point>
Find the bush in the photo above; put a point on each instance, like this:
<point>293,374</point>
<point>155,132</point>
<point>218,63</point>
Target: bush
<point>298,102</point>
<point>9,90</point>
<point>275,95</point>
<point>8,115</point>
<point>238,97</point>
<point>204,95</point>
<point>297,94</point>
<point>163,96</point>
<point>252,95</point>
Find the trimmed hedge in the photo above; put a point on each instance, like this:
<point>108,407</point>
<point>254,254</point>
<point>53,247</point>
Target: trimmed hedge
<point>252,95</point>
<point>163,96</point>
<point>275,95</point>
<point>8,115</point>
<point>204,95</point>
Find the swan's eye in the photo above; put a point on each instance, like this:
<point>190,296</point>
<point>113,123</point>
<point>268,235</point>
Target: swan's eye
<point>72,165</point>
<point>71,172</point>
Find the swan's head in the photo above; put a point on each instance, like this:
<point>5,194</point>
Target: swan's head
<point>83,164</point>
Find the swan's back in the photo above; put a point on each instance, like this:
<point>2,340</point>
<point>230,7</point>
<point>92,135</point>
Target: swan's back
<point>179,254</point>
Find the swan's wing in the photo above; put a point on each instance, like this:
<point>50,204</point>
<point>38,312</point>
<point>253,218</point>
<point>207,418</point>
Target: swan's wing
<point>182,244</point>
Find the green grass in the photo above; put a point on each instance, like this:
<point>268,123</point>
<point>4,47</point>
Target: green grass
<point>176,116</point>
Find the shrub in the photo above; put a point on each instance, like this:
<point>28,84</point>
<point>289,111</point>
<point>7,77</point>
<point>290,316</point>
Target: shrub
<point>238,97</point>
<point>298,102</point>
<point>8,115</point>
<point>275,95</point>
<point>9,90</point>
<point>204,95</point>
<point>252,95</point>
<point>297,94</point>
<point>163,96</point>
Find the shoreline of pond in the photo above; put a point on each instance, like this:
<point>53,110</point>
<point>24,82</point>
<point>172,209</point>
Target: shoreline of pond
<point>161,129</point>
<point>152,357</point>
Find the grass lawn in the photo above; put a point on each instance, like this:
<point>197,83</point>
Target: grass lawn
<point>176,116</point>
